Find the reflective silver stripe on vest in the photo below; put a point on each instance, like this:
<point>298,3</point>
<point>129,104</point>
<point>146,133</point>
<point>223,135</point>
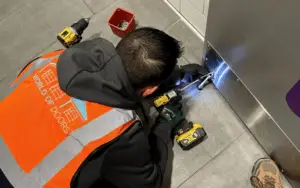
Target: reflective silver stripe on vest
<point>35,65</point>
<point>64,152</point>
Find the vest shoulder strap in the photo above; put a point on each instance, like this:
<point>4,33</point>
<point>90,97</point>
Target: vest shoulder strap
<point>33,65</point>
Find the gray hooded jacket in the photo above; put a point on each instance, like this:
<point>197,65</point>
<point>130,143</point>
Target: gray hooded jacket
<point>93,71</point>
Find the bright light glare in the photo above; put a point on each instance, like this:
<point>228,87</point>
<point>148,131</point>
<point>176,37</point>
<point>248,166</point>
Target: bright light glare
<point>220,72</point>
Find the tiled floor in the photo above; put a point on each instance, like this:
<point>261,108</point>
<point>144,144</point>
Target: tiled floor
<point>29,28</point>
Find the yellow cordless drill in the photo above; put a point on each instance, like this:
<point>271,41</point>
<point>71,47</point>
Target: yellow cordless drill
<point>72,35</point>
<point>188,134</point>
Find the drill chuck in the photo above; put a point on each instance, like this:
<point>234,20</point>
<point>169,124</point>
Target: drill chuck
<point>81,25</point>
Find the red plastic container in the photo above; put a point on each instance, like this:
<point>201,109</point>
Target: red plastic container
<point>120,15</point>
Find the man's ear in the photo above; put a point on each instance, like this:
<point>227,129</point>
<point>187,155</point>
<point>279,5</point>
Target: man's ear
<point>149,90</point>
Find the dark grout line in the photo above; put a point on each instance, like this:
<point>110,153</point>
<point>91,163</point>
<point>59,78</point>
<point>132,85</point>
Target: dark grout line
<point>13,13</point>
<point>208,162</point>
<point>3,78</point>
<point>24,5</point>
<point>88,6</point>
<point>108,6</point>
<point>39,52</point>
<point>167,28</point>
<point>207,152</point>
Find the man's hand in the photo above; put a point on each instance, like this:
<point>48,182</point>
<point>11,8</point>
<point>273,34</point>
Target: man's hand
<point>171,114</point>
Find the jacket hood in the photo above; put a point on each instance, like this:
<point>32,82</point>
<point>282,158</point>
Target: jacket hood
<point>93,71</point>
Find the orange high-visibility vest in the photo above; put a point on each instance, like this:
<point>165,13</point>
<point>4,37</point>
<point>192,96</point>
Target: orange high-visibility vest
<point>46,134</point>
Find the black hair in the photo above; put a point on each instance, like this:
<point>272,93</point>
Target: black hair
<point>149,56</point>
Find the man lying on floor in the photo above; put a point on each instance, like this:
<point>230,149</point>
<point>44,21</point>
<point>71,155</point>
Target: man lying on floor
<point>77,117</point>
